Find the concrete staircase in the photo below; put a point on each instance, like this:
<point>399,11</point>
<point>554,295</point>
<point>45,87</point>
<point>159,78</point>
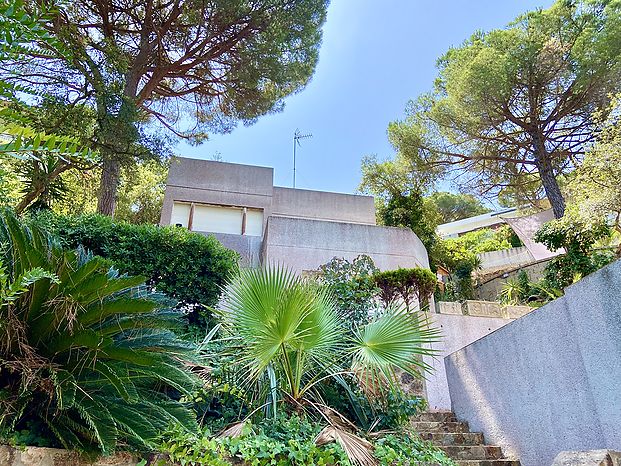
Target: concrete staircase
<point>462,446</point>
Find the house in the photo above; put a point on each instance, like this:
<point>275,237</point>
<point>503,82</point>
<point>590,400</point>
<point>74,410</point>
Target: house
<point>303,229</point>
<point>466,225</point>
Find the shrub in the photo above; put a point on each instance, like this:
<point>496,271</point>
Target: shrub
<point>285,440</point>
<point>405,450</point>
<point>287,337</point>
<point>87,356</point>
<point>406,284</point>
<point>352,285</point>
<point>580,258</point>
<point>290,441</point>
<point>184,265</point>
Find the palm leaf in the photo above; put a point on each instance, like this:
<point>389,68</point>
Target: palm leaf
<point>396,339</point>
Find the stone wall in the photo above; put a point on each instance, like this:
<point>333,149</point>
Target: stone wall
<point>482,309</point>
<point>550,381</point>
<point>489,287</point>
<point>38,456</point>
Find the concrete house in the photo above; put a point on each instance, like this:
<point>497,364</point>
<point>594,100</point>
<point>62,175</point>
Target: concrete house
<point>302,229</point>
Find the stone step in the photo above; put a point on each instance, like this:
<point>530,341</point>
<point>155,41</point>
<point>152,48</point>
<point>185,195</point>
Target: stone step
<point>453,438</point>
<point>472,452</point>
<point>487,463</point>
<point>439,416</point>
<point>432,426</point>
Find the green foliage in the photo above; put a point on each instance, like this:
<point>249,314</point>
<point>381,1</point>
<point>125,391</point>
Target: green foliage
<point>352,285</point>
<point>290,440</point>
<point>578,239</point>
<point>520,290</point>
<point>284,441</point>
<point>402,450</point>
<point>450,207</point>
<point>409,285</point>
<point>184,265</point>
<point>513,107</point>
<point>459,257</point>
<point>399,198</point>
<point>288,335</point>
<point>141,193</point>
<point>40,152</point>
<point>594,188</point>
<point>187,80</point>
<point>86,355</point>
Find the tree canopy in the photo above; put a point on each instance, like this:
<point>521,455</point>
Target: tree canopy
<point>595,188</point>
<point>450,207</point>
<point>192,65</point>
<point>511,110</point>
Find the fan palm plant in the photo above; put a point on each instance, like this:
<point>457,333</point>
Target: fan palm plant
<point>84,351</point>
<point>288,337</point>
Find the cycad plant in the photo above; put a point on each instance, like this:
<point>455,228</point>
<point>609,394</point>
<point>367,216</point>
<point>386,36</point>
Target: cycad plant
<point>288,338</point>
<point>83,351</point>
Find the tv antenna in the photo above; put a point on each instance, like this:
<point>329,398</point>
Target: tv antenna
<point>296,141</point>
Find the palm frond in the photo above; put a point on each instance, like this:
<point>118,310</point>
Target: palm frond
<point>395,340</point>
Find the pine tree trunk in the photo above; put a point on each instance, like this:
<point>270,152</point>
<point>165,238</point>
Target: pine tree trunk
<point>108,187</point>
<point>548,178</point>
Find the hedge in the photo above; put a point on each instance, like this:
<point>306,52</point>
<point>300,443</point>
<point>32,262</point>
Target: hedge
<point>187,266</point>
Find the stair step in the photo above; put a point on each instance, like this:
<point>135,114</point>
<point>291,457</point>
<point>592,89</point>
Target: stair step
<point>453,438</point>
<point>487,463</point>
<point>472,452</point>
<point>438,416</point>
<point>430,426</point>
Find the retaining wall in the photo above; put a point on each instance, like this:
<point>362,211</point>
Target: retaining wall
<point>551,380</point>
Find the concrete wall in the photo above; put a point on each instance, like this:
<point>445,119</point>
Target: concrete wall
<point>505,258</point>
<point>219,183</point>
<point>229,184</point>
<point>550,381</point>
<point>306,244</point>
<point>303,203</point>
<point>457,332</point>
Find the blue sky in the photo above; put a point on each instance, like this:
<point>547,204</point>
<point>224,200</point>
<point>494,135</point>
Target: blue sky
<point>375,56</point>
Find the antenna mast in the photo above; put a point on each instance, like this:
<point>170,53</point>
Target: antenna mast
<point>296,141</point>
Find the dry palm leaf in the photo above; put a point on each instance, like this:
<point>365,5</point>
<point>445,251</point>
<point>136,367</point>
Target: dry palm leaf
<point>358,450</point>
<point>233,431</point>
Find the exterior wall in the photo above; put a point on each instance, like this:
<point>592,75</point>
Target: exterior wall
<point>248,247</point>
<point>505,258</point>
<point>550,381</point>
<point>217,183</point>
<point>306,244</point>
<point>457,332</point>
<point>320,205</point>
<point>490,289</point>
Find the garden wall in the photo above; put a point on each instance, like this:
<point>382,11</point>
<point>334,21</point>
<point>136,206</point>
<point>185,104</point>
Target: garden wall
<point>38,456</point>
<point>551,380</point>
<point>457,332</point>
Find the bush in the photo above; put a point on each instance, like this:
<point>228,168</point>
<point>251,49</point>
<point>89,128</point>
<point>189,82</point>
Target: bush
<point>284,441</point>
<point>580,258</point>
<point>87,356</point>
<point>290,441</point>
<point>405,450</point>
<point>352,285</point>
<point>406,284</point>
<point>184,265</point>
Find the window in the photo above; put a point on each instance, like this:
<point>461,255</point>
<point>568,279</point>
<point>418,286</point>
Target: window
<point>218,219</point>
